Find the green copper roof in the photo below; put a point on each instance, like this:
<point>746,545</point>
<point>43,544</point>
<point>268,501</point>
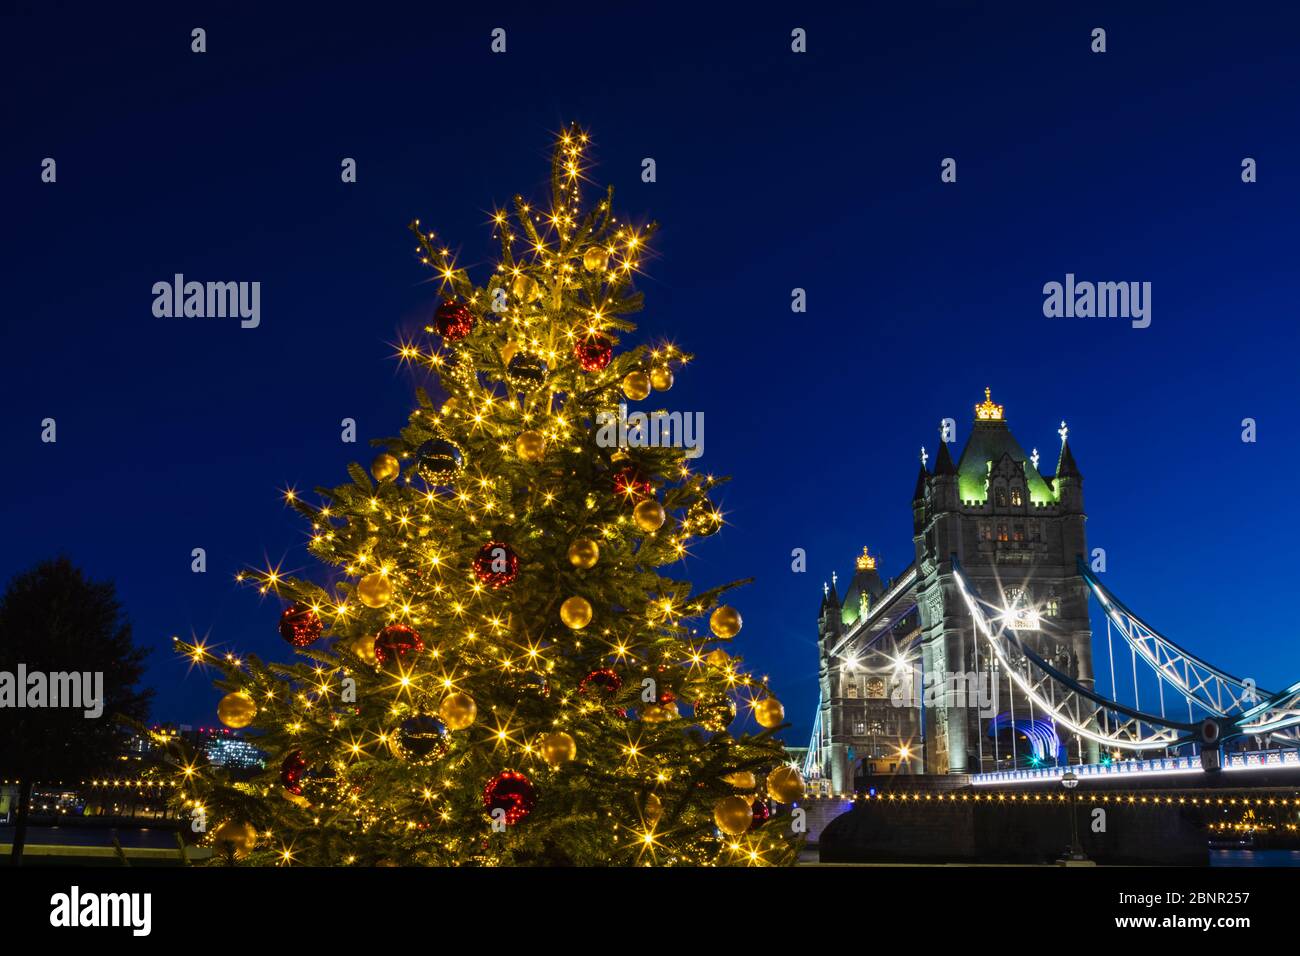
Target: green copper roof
<point>989,441</point>
<point>849,613</point>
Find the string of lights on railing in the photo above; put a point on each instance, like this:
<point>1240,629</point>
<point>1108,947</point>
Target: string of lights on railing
<point>1152,799</point>
<point>141,783</point>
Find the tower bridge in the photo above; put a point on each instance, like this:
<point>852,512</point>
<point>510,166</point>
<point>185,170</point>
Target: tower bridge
<point>977,662</point>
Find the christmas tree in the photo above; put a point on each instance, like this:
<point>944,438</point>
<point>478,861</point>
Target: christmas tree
<point>498,673</point>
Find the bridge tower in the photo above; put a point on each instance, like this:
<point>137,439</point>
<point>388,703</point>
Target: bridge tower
<point>1017,535</point>
<point>857,714</point>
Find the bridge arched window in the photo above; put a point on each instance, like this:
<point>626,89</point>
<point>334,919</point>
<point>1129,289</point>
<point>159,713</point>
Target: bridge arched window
<point>875,688</point>
<point>1051,602</point>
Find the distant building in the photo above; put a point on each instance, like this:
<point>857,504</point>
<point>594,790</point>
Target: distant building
<point>222,746</point>
<point>229,750</point>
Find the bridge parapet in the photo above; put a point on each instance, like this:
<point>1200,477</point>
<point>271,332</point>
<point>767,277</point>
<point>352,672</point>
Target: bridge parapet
<point>1152,767</point>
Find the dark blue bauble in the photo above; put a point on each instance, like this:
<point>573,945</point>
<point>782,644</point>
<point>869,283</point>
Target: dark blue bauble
<point>439,460</point>
<point>526,371</point>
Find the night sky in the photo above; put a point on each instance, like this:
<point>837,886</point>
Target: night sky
<point>775,171</point>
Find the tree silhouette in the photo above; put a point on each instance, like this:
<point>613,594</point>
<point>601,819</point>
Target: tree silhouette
<point>53,620</point>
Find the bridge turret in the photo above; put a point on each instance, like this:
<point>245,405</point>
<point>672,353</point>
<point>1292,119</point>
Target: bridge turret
<point>943,486</point>
<point>1069,480</point>
<point>828,617</point>
<point>918,497</point>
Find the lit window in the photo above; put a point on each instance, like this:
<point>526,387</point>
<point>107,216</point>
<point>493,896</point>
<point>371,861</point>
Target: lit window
<point>1001,497</point>
<point>986,531</point>
<point>1016,498</point>
<point>1019,532</point>
<point>1002,531</point>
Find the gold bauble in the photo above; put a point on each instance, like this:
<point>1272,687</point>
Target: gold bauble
<point>661,378</point>
<point>238,838</point>
<point>458,711</point>
<point>297,799</point>
<point>364,648</point>
<point>636,385</point>
<point>718,658</point>
<point>236,710</point>
<point>785,785</point>
<point>733,815</point>
<point>575,612</point>
<point>658,713</point>
<point>654,809</point>
<point>725,622</point>
<point>385,466</point>
<point>525,287</point>
<point>742,780</point>
<point>620,455</point>
<point>595,259</point>
<point>530,446</point>
<point>508,352</point>
<point>649,515</point>
<point>558,748</point>
<point>374,590</point>
<point>584,553</point>
<point>769,713</point>
<point>450,405</point>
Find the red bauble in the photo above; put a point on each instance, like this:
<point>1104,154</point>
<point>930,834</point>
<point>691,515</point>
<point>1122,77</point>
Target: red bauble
<point>396,641</point>
<point>593,352</point>
<point>292,771</point>
<point>604,681</point>
<point>496,565</point>
<point>299,625</point>
<point>666,696</point>
<point>512,792</point>
<point>453,320</point>
<point>762,812</point>
<point>631,484</point>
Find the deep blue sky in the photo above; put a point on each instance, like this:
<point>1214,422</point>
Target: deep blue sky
<point>774,170</point>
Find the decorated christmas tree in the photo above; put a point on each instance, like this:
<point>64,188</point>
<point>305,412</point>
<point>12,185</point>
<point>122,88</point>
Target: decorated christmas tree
<point>498,672</point>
